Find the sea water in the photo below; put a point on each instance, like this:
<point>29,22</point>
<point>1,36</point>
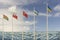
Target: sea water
<point>30,35</point>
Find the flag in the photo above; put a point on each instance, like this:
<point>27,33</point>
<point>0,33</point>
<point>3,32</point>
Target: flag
<point>15,16</point>
<point>25,14</point>
<point>49,9</point>
<point>35,12</point>
<point>5,17</point>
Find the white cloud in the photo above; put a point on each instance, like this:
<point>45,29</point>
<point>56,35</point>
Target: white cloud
<point>12,9</point>
<point>16,28</point>
<point>44,14</point>
<point>57,8</point>
<point>20,3</point>
<point>18,25</point>
<point>17,2</point>
<point>57,14</point>
<point>31,13</point>
<point>30,22</point>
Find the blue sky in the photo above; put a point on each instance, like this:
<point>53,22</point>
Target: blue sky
<point>54,23</point>
<point>40,6</point>
<point>53,20</point>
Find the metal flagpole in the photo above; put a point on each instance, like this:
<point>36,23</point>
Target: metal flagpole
<point>12,28</point>
<point>22,35</point>
<point>22,32</point>
<point>3,30</point>
<point>34,29</point>
<point>47,21</point>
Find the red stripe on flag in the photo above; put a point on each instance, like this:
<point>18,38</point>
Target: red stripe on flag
<point>25,14</point>
<point>15,16</point>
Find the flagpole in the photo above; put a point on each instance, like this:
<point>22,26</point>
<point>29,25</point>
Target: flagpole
<point>35,14</point>
<point>12,28</point>
<point>47,22</point>
<point>34,29</point>
<point>3,26</point>
<point>3,30</point>
<point>22,35</point>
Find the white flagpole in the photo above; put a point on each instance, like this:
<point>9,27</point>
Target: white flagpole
<point>22,35</point>
<point>3,30</point>
<point>12,25</point>
<point>12,28</point>
<point>22,32</point>
<point>34,28</point>
<point>47,22</point>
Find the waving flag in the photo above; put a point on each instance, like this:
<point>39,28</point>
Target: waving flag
<point>49,9</point>
<point>35,12</point>
<point>25,14</point>
<point>5,17</point>
<point>15,16</point>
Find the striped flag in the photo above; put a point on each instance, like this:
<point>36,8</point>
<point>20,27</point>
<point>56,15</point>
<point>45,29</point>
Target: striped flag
<point>49,9</point>
<point>5,17</point>
<point>25,14</point>
<point>15,16</point>
<point>35,12</point>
